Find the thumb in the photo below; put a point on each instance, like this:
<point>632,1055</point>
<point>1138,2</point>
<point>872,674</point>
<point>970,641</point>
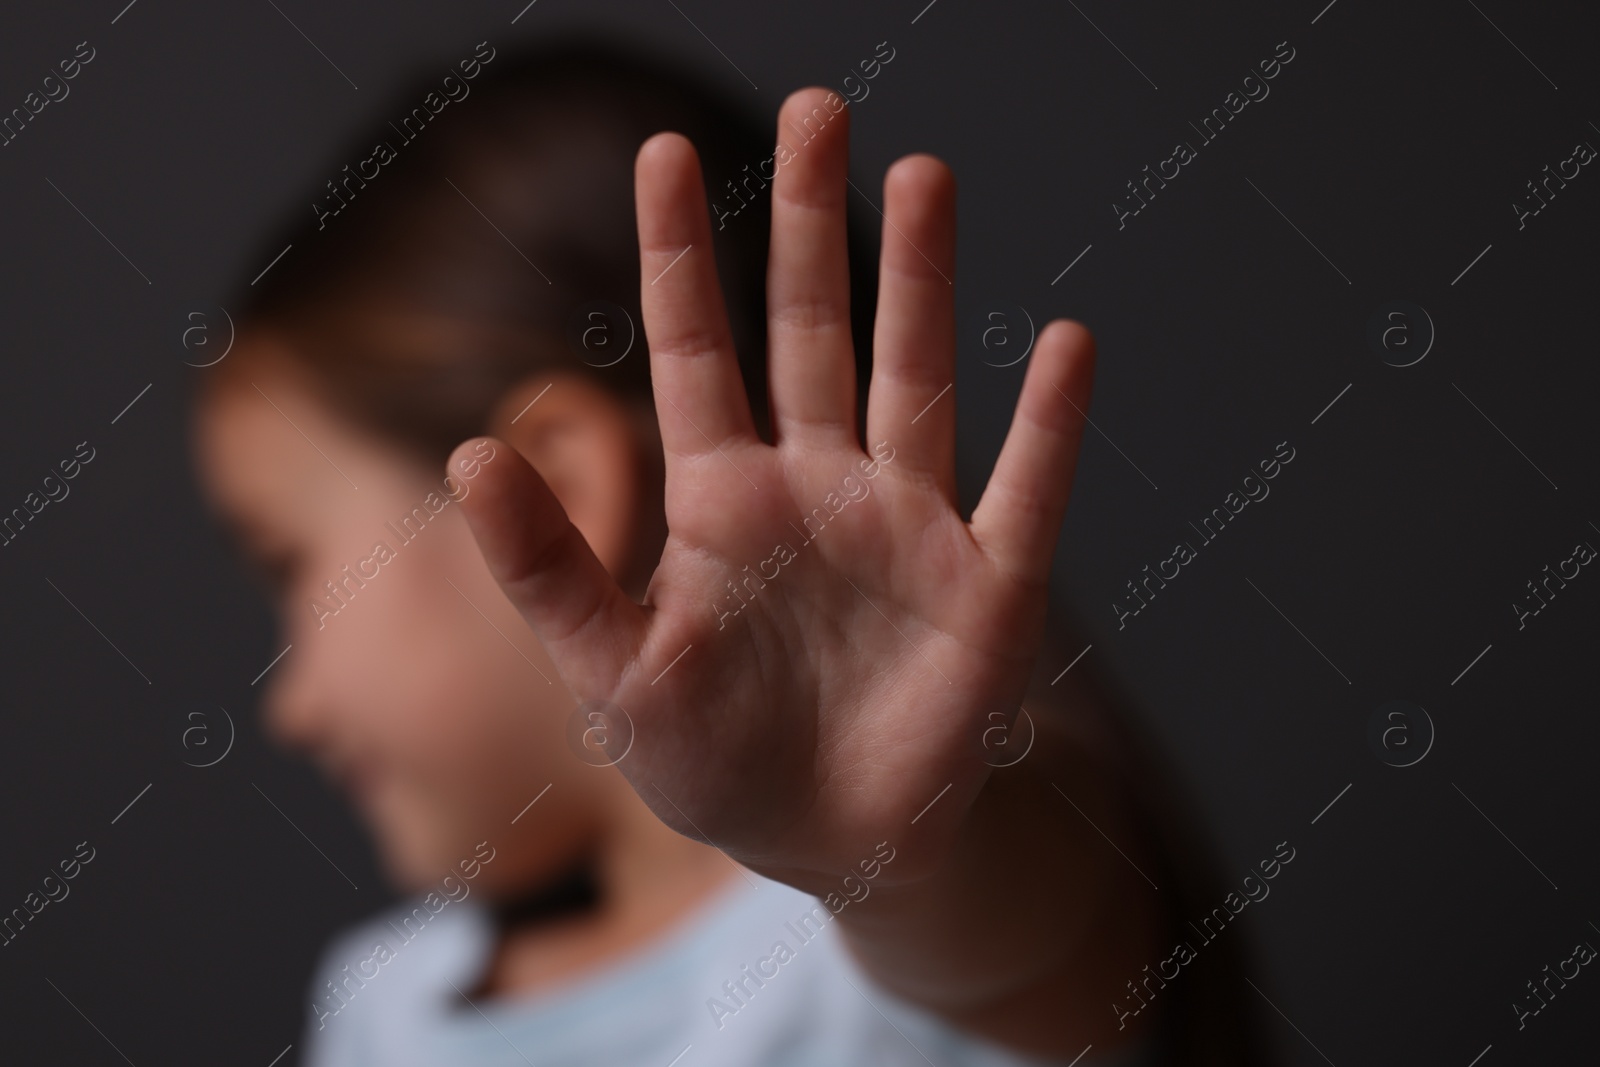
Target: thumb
<point>587,624</point>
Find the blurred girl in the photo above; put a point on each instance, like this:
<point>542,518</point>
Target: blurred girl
<point>672,683</point>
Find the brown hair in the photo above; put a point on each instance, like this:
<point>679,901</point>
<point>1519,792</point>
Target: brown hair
<point>469,261</point>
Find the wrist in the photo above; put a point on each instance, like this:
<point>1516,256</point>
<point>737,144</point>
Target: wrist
<point>1029,913</point>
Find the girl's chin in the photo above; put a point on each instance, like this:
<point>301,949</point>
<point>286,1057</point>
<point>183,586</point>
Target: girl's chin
<point>408,865</point>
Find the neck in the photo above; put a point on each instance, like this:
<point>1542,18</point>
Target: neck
<point>637,881</point>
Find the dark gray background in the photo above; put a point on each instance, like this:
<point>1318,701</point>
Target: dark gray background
<point>1396,141</point>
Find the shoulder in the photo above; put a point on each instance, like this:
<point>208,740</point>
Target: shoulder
<point>378,968</point>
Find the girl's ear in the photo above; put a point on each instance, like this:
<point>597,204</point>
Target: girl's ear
<point>581,440</point>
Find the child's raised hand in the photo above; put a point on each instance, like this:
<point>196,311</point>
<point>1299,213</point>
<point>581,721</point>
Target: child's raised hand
<point>874,635</point>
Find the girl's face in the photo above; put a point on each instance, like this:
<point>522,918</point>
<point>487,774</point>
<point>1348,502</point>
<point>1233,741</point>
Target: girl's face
<point>410,679</point>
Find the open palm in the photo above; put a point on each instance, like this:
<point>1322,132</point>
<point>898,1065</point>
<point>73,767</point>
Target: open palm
<point>825,639</point>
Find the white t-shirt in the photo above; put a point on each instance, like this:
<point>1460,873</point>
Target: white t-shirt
<point>754,977</point>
